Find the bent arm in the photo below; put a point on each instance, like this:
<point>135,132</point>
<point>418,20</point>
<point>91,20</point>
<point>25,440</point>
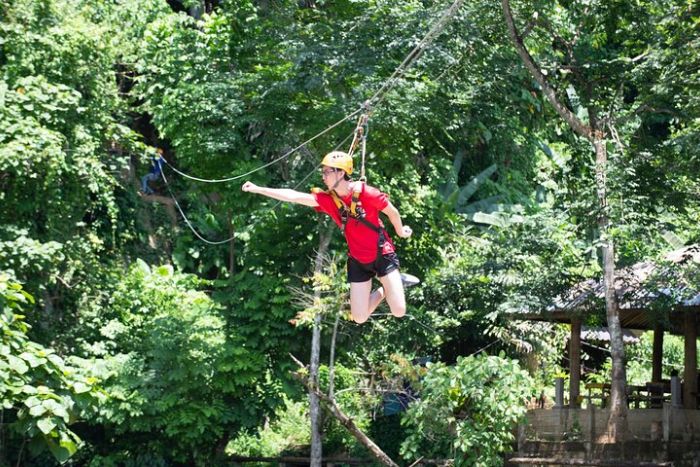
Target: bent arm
<point>287,195</point>
<point>394,217</point>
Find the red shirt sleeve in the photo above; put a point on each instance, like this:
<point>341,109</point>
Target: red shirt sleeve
<point>372,197</point>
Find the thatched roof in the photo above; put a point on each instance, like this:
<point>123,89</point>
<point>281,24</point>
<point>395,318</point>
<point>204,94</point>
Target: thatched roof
<point>639,288</point>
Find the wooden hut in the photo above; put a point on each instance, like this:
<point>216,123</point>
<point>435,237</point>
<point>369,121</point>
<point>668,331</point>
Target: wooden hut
<point>656,297</point>
<point>662,297</point>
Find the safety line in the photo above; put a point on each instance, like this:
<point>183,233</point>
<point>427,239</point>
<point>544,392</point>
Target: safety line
<point>274,161</point>
<point>378,96</point>
<point>187,221</point>
<point>221,242</point>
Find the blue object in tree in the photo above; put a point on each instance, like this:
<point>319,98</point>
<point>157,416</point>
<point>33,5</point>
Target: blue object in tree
<point>153,175</point>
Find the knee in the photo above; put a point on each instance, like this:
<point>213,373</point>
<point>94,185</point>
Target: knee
<point>399,311</point>
<point>359,319</point>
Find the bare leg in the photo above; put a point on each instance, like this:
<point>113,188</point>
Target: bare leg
<point>362,302</point>
<point>393,289</point>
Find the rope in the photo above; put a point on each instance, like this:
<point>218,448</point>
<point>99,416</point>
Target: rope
<point>187,221</point>
<point>360,138</point>
<point>376,98</point>
<point>279,202</point>
<point>221,242</point>
<point>274,161</point>
<point>363,177</point>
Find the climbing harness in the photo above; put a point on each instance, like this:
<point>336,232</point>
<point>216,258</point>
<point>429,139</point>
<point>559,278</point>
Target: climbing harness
<point>355,212</point>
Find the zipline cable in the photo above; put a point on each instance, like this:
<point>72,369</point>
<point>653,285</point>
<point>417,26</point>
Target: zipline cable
<point>414,54</point>
<point>272,162</point>
<point>376,98</point>
<point>221,242</point>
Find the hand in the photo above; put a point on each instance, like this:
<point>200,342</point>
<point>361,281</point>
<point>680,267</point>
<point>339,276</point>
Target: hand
<point>249,186</point>
<point>406,232</point>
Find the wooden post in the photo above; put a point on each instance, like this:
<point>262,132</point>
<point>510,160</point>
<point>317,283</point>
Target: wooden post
<point>575,363</point>
<point>676,399</point>
<point>690,372</point>
<point>657,353</point>
<point>558,392</point>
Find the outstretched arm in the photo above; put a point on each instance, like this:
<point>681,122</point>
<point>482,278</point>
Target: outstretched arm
<point>282,194</point>
<point>392,213</point>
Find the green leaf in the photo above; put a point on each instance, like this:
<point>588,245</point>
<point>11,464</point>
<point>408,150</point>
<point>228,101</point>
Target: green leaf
<point>143,267</point>
<point>471,187</point>
<point>165,270</point>
<point>32,401</point>
<point>46,425</point>
<point>80,388</point>
<point>69,445</point>
<point>33,360</point>
<point>17,364</point>
<point>37,410</point>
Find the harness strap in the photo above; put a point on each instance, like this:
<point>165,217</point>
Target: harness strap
<point>356,214</point>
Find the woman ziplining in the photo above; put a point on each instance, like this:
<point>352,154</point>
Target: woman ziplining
<point>354,207</point>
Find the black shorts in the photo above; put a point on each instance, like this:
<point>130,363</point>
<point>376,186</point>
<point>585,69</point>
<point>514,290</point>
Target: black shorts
<point>362,272</point>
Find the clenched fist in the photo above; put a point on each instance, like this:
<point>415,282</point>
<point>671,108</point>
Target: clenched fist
<point>406,232</point>
<point>249,186</point>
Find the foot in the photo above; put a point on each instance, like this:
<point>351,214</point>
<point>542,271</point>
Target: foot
<point>409,280</point>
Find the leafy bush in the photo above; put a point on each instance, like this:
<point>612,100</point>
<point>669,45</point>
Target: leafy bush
<point>289,430</point>
<point>467,411</point>
<point>178,374</point>
<point>41,393</point>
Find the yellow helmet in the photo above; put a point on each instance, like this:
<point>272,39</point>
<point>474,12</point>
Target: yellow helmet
<point>339,160</point>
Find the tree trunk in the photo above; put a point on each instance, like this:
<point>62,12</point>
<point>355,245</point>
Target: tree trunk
<point>617,423</point>
<point>314,404</point>
<point>575,363</point>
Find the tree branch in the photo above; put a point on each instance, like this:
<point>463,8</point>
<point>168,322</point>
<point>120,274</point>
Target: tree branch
<point>344,420</point>
<point>574,122</point>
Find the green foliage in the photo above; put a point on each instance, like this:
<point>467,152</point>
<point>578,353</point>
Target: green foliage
<point>88,88</point>
<point>485,282</point>
<point>289,430</point>
<point>355,401</point>
<point>172,365</point>
<point>468,411</point>
<point>40,392</point>
<point>639,360</point>
<point>288,433</point>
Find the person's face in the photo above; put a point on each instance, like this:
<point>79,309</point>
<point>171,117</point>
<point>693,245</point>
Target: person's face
<point>330,175</point>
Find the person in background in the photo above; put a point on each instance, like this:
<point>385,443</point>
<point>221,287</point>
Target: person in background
<point>154,174</point>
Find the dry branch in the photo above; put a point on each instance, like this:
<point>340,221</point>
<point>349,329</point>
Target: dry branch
<point>344,420</point>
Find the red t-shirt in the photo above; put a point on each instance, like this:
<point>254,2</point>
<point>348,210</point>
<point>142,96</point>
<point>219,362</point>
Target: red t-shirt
<point>362,240</point>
